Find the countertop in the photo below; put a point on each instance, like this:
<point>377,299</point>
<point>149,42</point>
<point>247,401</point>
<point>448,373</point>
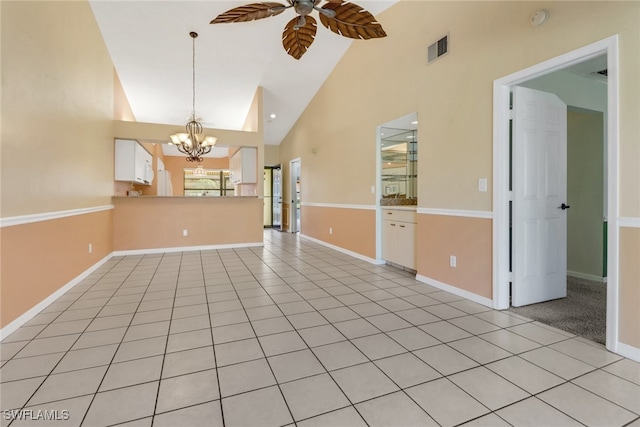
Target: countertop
<point>392,202</point>
<point>185,197</point>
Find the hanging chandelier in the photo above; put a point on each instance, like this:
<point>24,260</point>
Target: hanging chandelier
<point>194,143</point>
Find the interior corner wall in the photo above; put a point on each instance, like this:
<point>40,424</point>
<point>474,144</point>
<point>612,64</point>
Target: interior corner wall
<point>585,194</point>
<point>382,79</point>
<point>271,155</point>
<point>121,107</point>
<point>57,148</point>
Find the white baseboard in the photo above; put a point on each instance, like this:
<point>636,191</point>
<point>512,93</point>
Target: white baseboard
<point>31,313</point>
<point>345,251</point>
<point>590,277</point>
<point>456,291</point>
<point>628,351</point>
<point>186,249</point>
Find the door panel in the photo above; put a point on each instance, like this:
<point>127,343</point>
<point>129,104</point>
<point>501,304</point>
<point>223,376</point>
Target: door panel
<point>539,188</point>
<point>277,198</point>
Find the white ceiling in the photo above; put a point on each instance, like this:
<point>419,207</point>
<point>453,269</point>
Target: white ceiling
<point>151,49</point>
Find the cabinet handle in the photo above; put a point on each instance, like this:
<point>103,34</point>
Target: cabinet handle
<point>402,226</point>
<point>393,225</point>
<point>389,213</point>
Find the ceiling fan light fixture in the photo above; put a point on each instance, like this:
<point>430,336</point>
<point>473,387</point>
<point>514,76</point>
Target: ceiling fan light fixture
<point>329,13</point>
<point>342,17</point>
<point>302,21</point>
<point>304,7</point>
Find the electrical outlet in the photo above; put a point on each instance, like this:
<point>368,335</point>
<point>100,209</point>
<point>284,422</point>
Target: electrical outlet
<point>373,189</point>
<point>482,185</point>
<point>330,230</point>
<point>453,261</point>
<point>185,232</point>
<point>90,247</point>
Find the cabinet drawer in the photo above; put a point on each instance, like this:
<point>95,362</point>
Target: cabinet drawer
<point>398,215</point>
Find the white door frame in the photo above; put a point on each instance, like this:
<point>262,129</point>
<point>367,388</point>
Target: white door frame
<point>293,212</point>
<point>501,103</point>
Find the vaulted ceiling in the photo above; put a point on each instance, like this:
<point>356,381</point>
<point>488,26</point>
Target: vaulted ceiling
<point>151,49</point>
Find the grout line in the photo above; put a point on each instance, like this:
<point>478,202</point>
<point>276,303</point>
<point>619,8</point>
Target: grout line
<point>213,342</point>
<point>302,269</point>
<point>141,259</point>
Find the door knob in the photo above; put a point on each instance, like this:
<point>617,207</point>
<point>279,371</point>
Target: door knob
<point>564,207</point>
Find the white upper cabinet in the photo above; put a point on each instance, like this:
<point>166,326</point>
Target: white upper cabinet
<point>244,166</point>
<point>133,162</point>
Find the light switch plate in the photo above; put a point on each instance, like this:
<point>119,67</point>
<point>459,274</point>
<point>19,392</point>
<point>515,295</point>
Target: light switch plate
<point>482,185</point>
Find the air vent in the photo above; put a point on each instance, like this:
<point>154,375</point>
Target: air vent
<point>438,49</point>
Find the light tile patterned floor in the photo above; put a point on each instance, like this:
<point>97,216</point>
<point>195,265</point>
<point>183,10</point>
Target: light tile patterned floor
<point>296,333</point>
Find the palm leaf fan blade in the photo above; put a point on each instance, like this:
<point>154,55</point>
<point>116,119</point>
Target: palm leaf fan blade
<point>296,40</point>
<point>352,21</point>
<point>249,12</point>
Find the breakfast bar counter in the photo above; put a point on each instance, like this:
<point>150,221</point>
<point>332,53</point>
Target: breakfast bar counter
<point>152,223</point>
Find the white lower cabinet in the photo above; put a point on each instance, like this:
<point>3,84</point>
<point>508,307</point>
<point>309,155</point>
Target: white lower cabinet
<point>399,237</point>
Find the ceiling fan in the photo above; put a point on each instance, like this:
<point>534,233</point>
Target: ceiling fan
<point>344,18</point>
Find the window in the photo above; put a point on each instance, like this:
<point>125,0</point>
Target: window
<point>207,183</point>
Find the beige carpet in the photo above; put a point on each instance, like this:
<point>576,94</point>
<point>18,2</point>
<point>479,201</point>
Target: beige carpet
<point>583,312</point>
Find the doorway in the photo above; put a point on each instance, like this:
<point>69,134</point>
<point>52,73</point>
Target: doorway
<point>570,293</point>
<point>295,192</point>
<point>502,276</point>
<point>273,197</point>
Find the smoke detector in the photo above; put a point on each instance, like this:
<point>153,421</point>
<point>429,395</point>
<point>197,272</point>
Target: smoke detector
<point>539,17</point>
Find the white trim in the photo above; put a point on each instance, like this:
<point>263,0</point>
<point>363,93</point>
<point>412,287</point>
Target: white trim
<point>293,224</point>
<point>28,219</point>
<point>456,212</point>
<point>344,251</point>
<point>629,222</point>
<point>628,351</point>
<point>31,313</point>
<point>186,249</point>
<point>501,91</point>
<point>339,206</point>
<point>455,290</point>
<point>410,208</point>
<point>585,276</point>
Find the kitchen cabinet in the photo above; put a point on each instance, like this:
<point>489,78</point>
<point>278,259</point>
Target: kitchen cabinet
<point>399,237</point>
<point>243,165</point>
<point>133,162</point>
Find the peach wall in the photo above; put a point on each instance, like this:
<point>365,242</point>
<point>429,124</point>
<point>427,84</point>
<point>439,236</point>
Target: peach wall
<point>469,239</point>
<point>58,89</point>
<point>157,222</point>
<point>453,99</point>
<point>57,95</point>
<point>629,298</point>
<point>353,229</point>
<point>41,257</point>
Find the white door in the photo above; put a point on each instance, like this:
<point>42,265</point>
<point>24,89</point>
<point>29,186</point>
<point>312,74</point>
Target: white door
<point>277,198</point>
<point>539,169</point>
<point>294,217</point>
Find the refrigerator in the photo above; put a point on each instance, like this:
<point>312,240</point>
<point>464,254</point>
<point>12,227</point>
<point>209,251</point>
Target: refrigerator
<point>164,183</point>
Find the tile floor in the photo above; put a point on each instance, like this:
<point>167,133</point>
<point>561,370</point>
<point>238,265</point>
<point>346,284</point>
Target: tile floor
<point>297,334</point>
